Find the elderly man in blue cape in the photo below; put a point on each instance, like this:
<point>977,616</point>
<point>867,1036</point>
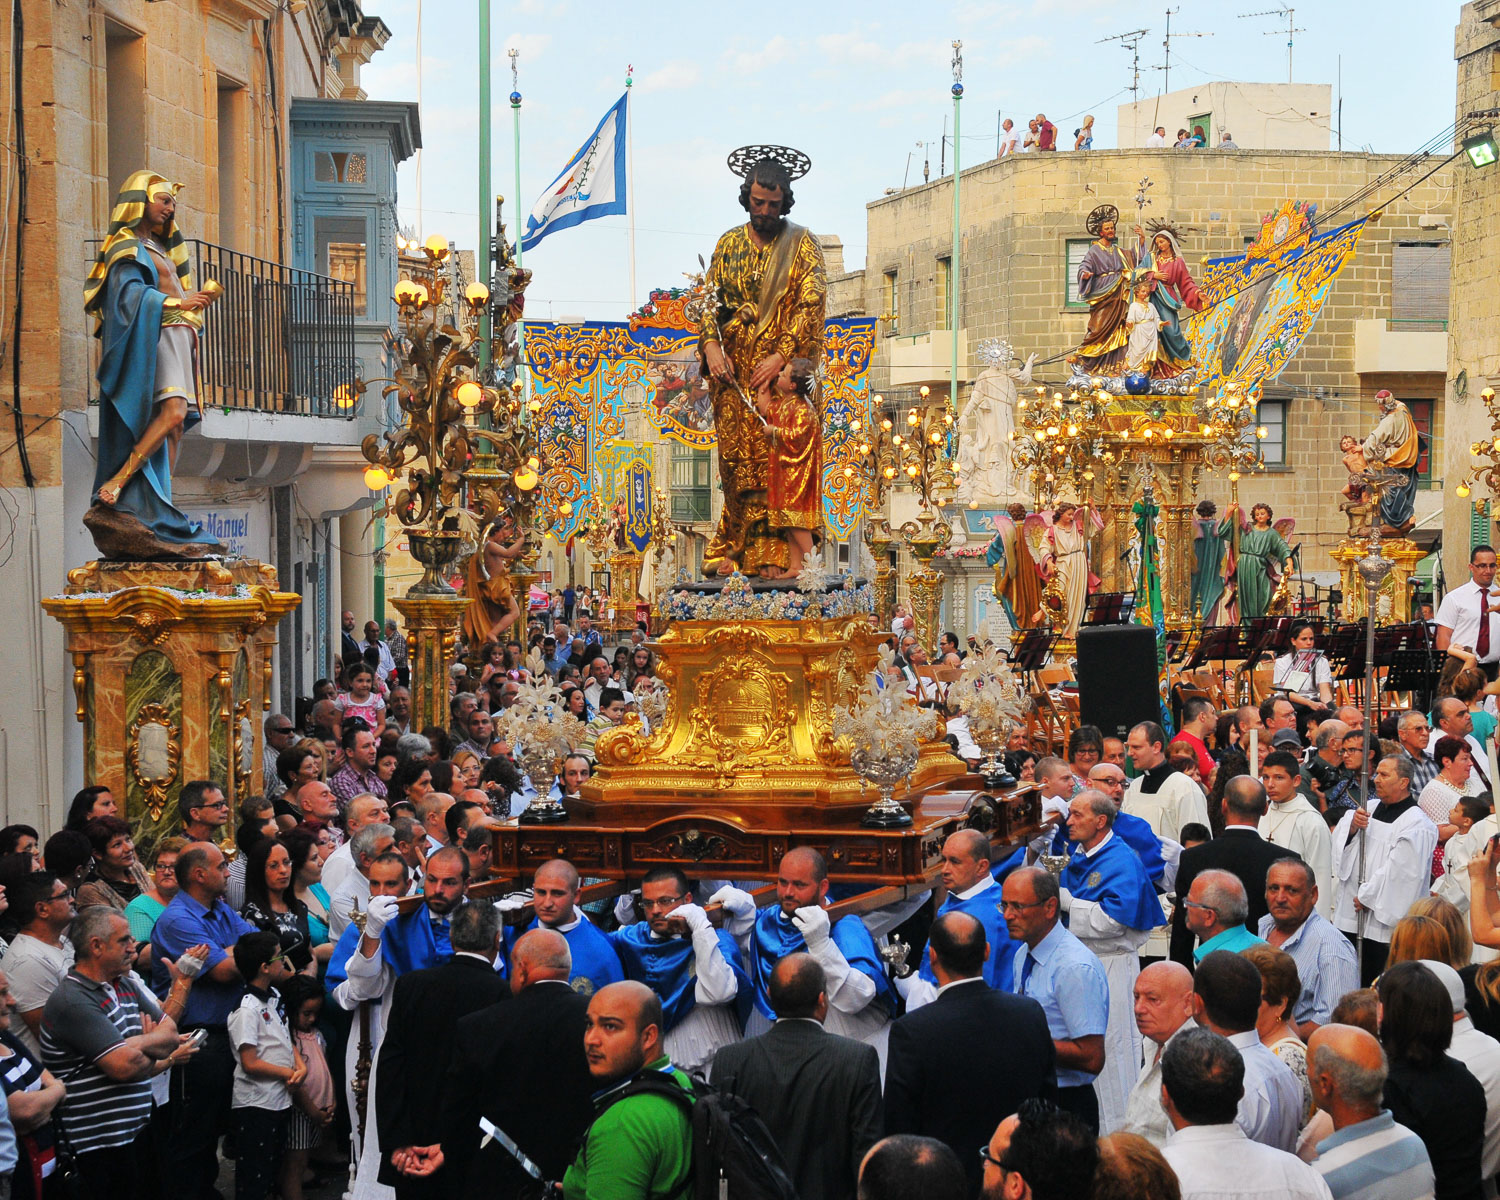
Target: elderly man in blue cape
<point>861,1000</point>
<point>696,970</point>
<point>972,890</point>
<point>366,963</point>
<point>1110,906</point>
<point>147,314</point>
<point>554,899</point>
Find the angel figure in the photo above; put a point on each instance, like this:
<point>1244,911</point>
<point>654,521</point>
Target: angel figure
<point>1256,566</point>
<point>1210,545</point>
<point>1018,586</point>
<point>985,426</point>
<point>1064,564</point>
<point>487,580</point>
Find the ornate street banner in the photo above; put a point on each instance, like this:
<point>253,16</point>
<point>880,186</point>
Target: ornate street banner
<point>638,504</point>
<point>1261,305</point>
<point>589,376</point>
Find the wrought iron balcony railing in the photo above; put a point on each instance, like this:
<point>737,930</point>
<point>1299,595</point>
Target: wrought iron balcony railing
<point>280,339</point>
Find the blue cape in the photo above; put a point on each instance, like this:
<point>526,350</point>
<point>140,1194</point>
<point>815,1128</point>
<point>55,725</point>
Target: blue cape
<point>409,943</point>
<point>1116,880</point>
<point>666,966</point>
<point>1135,832</point>
<point>595,962</point>
<point>775,936</point>
<point>984,908</point>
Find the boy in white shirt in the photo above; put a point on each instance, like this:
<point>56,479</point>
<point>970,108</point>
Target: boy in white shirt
<point>268,1066</point>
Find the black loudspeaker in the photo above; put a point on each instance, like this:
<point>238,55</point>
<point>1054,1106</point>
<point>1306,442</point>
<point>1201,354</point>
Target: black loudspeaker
<point>1117,677</point>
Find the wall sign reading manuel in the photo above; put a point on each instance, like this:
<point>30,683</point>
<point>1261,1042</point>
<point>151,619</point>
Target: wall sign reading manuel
<point>237,528</point>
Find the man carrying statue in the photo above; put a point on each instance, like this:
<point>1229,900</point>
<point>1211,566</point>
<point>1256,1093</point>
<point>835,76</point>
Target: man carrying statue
<point>148,315</point>
<point>766,306</point>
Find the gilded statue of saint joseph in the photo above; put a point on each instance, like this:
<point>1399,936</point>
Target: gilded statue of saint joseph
<point>768,293</point>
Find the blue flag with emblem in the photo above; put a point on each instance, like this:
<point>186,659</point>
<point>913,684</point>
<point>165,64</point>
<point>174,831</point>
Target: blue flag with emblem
<point>591,185</point>
<point>638,505</point>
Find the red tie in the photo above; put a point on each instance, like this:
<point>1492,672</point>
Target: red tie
<point>1482,644</point>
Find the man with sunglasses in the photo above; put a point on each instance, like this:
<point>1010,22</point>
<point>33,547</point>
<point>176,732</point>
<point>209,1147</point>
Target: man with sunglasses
<point>696,971</point>
<point>281,735</point>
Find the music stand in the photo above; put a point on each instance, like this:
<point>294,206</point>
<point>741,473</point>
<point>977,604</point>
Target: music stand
<point>1109,608</point>
<point>1219,643</point>
<point>1030,652</point>
<point>1412,670</point>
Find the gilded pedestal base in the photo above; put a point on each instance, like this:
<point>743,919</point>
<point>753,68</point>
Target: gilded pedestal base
<point>1393,601</point>
<point>624,585</point>
<point>748,726</point>
<point>171,676</point>
<point>431,633</point>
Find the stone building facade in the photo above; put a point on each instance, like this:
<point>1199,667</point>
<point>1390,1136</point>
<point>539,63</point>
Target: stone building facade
<point>201,93</point>
<point>1023,231</point>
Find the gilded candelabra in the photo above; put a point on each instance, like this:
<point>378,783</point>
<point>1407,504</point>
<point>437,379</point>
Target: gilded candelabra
<point>1486,469</point>
<point>1060,441</point>
<point>878,445</point>
<point>927,465</point>
<point>1228,421</point>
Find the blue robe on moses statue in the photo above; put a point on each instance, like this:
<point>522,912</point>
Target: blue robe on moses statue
<point>140,294</point>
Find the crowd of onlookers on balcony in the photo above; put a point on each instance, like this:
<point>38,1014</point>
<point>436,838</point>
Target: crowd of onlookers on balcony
<point>1041,135</point>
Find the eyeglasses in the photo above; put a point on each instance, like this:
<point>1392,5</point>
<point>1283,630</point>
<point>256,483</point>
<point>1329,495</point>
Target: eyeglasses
<point>282,732</point>
<point>1017,906</point>
<point>665,902</point>
<point>986,1157</point>
<point>1199,904</point>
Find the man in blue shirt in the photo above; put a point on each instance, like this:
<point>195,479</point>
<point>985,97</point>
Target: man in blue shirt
<point>1062,975</point>
<point>555,888</point>
<point>1217,907</point>
<point>203,1088</point>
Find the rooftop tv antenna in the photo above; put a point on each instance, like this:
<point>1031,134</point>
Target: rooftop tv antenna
<point>1166,66</point>
<point>1132,42</point>
<point>1290,31</point>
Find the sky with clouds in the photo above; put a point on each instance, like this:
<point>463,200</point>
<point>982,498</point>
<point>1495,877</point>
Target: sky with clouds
<point>855,85</point>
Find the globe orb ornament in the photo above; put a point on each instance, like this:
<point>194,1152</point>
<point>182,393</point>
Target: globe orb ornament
<point>958,90</point>
<point>1138,383</point>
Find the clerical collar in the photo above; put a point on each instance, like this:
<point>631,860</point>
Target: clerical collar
<point>1392,812</point>
<point>985,882</point>
<point>1154,777</point>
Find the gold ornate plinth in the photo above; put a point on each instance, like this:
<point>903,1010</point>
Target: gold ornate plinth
<point>624,584</point>
<point>748,727</point>
<point>926,604</point>
<point>431,633</point>
<point>1393,601</point>
<point>171,671</point>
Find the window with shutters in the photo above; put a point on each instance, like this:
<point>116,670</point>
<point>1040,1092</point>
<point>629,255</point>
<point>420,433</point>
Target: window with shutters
<point>1421,417</point>
<point>1072,259</point>
<point>892,313</point>
<point>1419,286</point>
<point>691,496</point>
<point>1271,415</point>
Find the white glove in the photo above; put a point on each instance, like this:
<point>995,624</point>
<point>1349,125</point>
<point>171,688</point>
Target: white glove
<point>736,901</point>
<point>1064,899</point>
<point>515,902</point>
<point>812,921</point>
<point>382,912</point>
<point>190,966</point>
<point>693,916</point>
<point>625,912</point>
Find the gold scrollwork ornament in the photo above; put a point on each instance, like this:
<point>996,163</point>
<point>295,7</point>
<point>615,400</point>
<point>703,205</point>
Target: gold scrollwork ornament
<point>154,753</point>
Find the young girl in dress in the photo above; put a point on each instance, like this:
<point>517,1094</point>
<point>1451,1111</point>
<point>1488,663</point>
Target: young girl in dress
<point>1142,324</point>
<point>312,1099</point>
<point>794,493</point>
<point>360,700</point>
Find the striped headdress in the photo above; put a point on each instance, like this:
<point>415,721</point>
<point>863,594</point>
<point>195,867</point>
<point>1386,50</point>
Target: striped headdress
<point>121,241</point>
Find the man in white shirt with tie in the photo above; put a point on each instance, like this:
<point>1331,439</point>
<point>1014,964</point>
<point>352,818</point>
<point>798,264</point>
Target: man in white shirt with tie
<point>1458,617</point>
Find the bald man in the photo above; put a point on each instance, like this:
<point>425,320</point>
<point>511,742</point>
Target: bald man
<point>861,999</point>
<point>1163,1006</point>
<point>636,1146</point>
<point>972,890</point>
<point>1368,1153</point>
<point>521,1066</point>
<point>555,888</point>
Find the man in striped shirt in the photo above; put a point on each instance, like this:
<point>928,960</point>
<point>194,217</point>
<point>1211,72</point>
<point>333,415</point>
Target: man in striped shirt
<point>1369,1156</point>
<point>94,1040</point>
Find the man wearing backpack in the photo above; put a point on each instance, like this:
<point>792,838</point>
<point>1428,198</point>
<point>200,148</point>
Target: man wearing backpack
<point>640,1145</point>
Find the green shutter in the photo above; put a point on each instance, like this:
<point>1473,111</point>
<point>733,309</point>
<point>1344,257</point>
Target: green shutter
<point>1479,524</point>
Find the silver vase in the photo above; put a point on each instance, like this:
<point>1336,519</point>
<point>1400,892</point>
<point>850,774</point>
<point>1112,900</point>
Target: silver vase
<point>885,772</point>
<point>992,742</point>
<point>540,766</point>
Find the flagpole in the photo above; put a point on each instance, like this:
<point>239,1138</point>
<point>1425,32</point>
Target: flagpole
<point>482,250</point>
<point>630,180</point>
<point>518,223</point>
<point>953,273</point>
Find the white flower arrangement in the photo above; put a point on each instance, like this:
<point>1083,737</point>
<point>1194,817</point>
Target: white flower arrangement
<point>988,692</point>
<point>884,721</point>
<point>537,728</point>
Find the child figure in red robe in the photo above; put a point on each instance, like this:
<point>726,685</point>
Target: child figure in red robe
<point>794,501</point>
